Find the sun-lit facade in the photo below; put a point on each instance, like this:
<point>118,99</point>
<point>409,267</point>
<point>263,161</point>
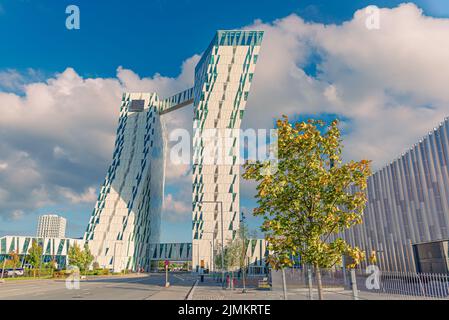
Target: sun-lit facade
<point>406,221</point>
<point>223,79</point>
<point>53,248</point>
<point>126,217</point>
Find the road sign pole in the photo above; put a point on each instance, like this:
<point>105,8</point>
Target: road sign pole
<point>167,284</point>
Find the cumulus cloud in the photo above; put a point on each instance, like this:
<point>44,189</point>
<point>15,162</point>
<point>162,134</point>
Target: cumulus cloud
<point>14,81</point>
<point>17,215</point>
<point>88,196</point>
<point>390,86</point>
<point>176,210</point>
<point>58,134</point>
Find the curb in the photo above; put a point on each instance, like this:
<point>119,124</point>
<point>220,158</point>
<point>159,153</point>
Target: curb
<point>190,293</point>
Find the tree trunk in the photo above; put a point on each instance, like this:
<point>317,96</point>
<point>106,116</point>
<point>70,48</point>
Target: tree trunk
<point>309,282</point>
<point>284,284</point>
<point>244,279</point>
<point>318,281</point>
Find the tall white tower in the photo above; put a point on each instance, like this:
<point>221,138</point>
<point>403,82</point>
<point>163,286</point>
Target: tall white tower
<point>126,217</point>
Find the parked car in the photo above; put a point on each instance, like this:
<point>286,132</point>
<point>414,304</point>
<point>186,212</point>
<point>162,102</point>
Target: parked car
<point>8,273</point>
<point>19,272</point>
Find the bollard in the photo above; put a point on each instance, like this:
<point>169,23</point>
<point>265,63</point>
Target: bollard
<point>355,293</point>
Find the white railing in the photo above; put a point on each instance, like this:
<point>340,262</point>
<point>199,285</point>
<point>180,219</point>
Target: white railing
<point>369,285</point>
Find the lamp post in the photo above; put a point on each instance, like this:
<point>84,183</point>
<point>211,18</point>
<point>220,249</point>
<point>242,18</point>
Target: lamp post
<point>198,258</point>
<point>244,249</point>
<point>222,235</point>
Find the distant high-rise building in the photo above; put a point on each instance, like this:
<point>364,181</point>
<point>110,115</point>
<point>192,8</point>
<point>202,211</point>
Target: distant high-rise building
<point>51,226</point>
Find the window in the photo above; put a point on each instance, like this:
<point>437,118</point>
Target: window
<point>137,105</point>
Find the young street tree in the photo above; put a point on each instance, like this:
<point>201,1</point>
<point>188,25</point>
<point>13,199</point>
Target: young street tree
<point>79,257</point>
<point>35,256</point>
<point>311,198</point>
<point>15,260</point>
<point>87,258</point>
<point>231,259</point>
<point>235,253</point>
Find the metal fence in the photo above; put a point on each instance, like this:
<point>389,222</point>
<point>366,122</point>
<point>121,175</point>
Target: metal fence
<point>367,284</point>
<point>407,285</point>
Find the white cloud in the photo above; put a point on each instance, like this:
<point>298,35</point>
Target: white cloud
<point>390,85</point>
<point>88,196</point>
<point>13,81</point>
<point>175,210</point>
<point>3,166</point>
<point>59,152</point>
<point>17,215</point>
<point>58,135</point>
<point>10,79</point>
<point>4,194</point>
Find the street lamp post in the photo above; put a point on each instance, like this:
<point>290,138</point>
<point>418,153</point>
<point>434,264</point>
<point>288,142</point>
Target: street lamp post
<point>213,250</point>
<point>222,236</point>
<point>244,249</point>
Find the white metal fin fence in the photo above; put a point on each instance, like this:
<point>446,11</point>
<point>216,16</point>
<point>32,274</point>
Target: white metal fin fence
<point>366,285</point>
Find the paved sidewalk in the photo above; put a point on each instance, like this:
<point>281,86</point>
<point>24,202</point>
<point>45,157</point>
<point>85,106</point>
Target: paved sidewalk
<point>211,290</point>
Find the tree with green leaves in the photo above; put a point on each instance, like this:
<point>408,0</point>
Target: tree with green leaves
<point>15,259</point>
<point>35,256</point>
<point>231,257</point>
<point>79,257</point>
<point>13,262</point>
<point>244,235</point>
<point>75,256</point>
<point>87,258</point>
<point>235,256</point>
<point>311,197</point>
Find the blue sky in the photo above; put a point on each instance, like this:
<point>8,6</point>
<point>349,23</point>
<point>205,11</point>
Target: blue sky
<point>34,36</point>
<point>147,37</point>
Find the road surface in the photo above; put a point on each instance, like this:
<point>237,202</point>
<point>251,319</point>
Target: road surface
<point>134,287</point>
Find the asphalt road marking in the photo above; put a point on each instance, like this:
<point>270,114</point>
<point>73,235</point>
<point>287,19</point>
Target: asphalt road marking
<point>176,276</point>
<point>143,287</point>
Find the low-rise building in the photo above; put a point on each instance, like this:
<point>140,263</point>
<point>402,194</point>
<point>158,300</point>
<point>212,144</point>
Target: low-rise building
<point>52,248</point>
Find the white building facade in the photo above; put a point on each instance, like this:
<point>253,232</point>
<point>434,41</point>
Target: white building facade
<point>126,217</point>
<point>53,249</point>
<point>125,224</point>
<point>223,79</point>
